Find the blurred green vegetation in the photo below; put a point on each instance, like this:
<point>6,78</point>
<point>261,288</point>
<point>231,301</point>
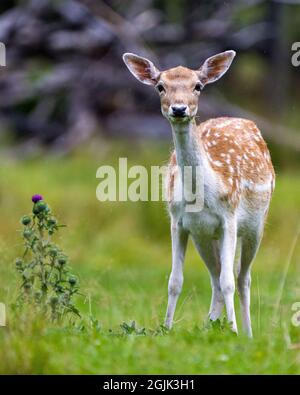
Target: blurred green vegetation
<point>122,254</point>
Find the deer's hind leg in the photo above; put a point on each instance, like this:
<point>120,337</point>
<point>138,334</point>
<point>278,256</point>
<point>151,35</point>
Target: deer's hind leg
<point>249,246</point>
<point>210,253</point>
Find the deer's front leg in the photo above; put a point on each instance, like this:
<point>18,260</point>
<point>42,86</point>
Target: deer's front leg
<point>227,252</point>
<point>179,243</point>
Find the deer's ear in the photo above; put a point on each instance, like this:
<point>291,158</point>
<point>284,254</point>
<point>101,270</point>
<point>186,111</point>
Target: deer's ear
<point>141,68</point>
<point>215,66</point>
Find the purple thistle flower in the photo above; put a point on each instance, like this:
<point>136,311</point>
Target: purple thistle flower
<point>36,198</point>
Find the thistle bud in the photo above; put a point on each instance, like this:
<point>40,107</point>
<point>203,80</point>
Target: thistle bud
<point>40,206</point>
<point>19,262</point>
<point>53,252</point>
<point>25,220</point>
<point>72,281</point>
<point>27,234</point>
<point>62,260</point>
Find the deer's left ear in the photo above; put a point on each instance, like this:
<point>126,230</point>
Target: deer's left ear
<point>215,66</point>
<point>141,68</point>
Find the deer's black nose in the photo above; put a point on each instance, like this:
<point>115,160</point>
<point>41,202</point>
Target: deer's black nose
<point>179,111</point>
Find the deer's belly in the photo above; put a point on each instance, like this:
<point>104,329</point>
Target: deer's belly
<point>202,224</point>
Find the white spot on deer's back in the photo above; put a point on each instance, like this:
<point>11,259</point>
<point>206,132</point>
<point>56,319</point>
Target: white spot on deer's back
<point>217,163</point>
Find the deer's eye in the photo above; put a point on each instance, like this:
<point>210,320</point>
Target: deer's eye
<point>160,88</point>
<point>198,87</point>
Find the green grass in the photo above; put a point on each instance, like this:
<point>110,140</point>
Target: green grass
<point>121,252</point>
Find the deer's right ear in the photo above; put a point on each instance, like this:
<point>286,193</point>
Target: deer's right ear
<point>142,68</point>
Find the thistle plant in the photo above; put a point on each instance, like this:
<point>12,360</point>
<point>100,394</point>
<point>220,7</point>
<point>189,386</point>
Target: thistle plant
<point>46,280</point>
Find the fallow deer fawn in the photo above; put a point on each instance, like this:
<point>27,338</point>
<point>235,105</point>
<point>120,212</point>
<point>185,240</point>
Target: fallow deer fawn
<point>238,181</point>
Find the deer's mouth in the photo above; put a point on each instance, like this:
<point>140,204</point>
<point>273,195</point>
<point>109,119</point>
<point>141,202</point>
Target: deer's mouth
<point>179,118</point>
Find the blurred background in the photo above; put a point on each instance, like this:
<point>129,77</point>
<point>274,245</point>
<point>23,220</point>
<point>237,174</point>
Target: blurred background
<point>68,104</point>
<point>65,81</point>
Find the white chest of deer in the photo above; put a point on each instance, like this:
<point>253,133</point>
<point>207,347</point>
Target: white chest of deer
<point>237,181</point>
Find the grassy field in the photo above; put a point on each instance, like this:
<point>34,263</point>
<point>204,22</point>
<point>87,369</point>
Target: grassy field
<point>121,252</point>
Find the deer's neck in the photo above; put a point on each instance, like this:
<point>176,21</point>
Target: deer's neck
<point>186,146</point>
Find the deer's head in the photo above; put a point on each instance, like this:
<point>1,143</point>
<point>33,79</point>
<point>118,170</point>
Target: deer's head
<point>179,88</point>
